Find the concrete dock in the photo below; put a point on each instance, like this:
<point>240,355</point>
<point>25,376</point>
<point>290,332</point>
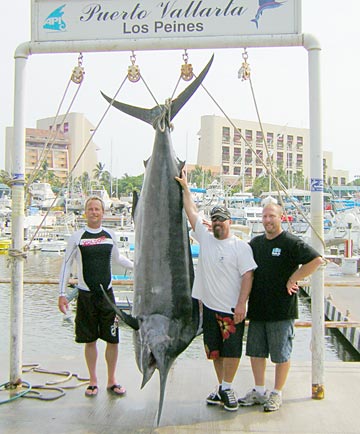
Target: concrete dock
<point>342,301</point>
<point>190,381</point>
<point>185,409</point>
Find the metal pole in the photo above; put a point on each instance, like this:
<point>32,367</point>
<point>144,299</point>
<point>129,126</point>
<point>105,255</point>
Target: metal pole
<point>317,217</point>
<point>17,225</point>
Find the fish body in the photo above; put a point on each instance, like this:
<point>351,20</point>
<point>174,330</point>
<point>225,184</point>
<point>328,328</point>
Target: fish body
<point>164,316</point>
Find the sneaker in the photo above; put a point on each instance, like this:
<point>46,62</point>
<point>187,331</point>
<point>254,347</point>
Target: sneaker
<point>273,403</point>
<point>214,398</point>
<point>253,398</point>
<point>229,399</point>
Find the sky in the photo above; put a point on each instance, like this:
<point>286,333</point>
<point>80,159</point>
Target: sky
<point>279,78</point>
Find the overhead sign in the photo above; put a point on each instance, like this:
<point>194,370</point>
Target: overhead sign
<point>128,19</point>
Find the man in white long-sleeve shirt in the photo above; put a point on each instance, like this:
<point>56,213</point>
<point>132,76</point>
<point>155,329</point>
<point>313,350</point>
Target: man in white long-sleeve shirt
<point>93,248</point>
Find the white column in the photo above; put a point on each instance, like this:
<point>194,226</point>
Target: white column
<point>316,182</point>
<point>17,224</point>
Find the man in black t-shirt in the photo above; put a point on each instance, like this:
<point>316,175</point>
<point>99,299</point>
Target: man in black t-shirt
<point>282,259</point>
<point>93,248</point>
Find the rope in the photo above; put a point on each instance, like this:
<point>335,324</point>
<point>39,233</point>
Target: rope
<point>33,391</point>
<point>76,77</point>
<point>279,185</point>
<point>246,75</point>
<point>75,164</point>
<point>7,386</point>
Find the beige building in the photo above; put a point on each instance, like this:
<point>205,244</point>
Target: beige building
<point>59,145</point>
<point>40,145</point>
<point>237,152</point>
<point>78,130</point>
<point>333,176</point>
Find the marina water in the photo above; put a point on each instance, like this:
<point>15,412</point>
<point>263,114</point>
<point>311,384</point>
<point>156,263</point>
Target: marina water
<point>50,334</point>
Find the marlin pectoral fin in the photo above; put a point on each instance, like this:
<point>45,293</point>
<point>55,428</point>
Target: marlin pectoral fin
<point>128,319</point>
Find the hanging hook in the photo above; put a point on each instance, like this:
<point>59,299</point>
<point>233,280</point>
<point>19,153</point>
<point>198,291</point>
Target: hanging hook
<point>133,70</point>
<point>186,69</point>
<point>244,71</point>
<point>78,72</point>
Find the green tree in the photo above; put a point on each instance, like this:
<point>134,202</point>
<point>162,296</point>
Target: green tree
<point>298,179</point>
<point>84,182</point>
<point>98,171</point>
<point>260,184</point>
<point>5,178</point>
<point>200,177</point>
<point>127,184</point>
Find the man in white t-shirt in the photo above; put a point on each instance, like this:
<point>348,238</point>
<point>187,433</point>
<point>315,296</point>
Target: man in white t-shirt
<point>223,280</point>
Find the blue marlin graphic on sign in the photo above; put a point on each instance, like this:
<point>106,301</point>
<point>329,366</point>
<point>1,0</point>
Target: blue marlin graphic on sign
<point>54,21</point>
<point>263,5</point>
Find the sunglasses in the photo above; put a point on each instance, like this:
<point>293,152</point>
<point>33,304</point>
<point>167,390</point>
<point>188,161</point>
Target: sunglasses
<point>218,218</point>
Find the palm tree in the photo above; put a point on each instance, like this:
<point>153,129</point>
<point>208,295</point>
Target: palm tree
<point>5,178</point>
<point>98,171</point>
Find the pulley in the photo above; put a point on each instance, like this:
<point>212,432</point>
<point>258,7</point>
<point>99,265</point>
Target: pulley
<point>133,70</point>
<point>244,71</point>
<point>78,72</point>
<point>186,69</point>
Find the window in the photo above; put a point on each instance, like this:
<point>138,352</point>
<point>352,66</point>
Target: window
<point>248,135</point>
<point>226,135</point>
<point>225,170</point>
<point>237,171</point>
<point>237,136</point>
<point>270,139</point>
<point>259,156</point>
<point>259,137</point>
<point>66,127</point>
<point>225,153</point>
<point>237,155</point>
<point>248,156</point>
<point>289,160</point>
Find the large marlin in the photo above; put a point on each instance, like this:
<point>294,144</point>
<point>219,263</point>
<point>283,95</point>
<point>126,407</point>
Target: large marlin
<point>164,316</point>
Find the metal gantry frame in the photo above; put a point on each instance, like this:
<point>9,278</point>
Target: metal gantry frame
<point>22,53</point>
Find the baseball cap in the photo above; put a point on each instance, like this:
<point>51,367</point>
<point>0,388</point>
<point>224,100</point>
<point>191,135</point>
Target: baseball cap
<point>220,211</point>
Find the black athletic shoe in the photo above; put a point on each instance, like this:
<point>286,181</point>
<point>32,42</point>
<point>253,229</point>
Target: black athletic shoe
<point>229,399</point>
<point>214,397</point>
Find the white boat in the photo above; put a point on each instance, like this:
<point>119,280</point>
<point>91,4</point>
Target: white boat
<point>42,195</point>
<point>52,245</point>
<point>103,194</point>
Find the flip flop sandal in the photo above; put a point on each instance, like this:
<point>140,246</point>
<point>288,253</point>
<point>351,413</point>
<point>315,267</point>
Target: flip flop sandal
<point>91,389</point>
<point>119,392</point>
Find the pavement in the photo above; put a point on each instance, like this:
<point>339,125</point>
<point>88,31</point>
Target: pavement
<point>185,409</point>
